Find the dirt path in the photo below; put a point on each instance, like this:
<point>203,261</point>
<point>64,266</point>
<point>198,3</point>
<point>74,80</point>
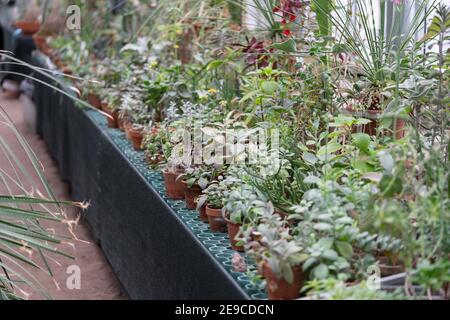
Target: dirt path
<point>97,278</point>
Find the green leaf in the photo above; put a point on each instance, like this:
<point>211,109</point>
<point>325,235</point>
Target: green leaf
<point>288,275</point>
<point>322,226</point>
<point>309,158</point>
<point>326,243</point>
<point>269,87</point>
<point>386,160</point>
<point>287,46</point>
<point>345,249</point>
<point>330,255</point>
<point>390,185</point>
<point>321,271</point>
<point>309,263</point>
<point>362,166</point>
<point>328,149</point>
<point>215,64</point>
<point>203,182</point>
<point>312,180</point>
<point>361,141</point>
<point>323,8</point>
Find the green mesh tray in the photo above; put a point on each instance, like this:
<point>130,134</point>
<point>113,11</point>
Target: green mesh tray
<point>216,243</point>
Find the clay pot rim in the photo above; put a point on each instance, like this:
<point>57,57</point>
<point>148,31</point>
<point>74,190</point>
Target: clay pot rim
<point>213,210</point>
<point>136,132</point>
<point>232,223</point>
<point>265,264</point>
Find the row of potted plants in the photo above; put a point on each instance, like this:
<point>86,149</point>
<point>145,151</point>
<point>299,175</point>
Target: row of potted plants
<point>348,172</point>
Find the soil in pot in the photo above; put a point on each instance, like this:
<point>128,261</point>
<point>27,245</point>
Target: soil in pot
<point>174,186</point>
<point>233,230</point>
<point>279,288</point>
<point>136,136</point>
<point>202,214</point>
<point>191,194</point>
<point>216,221</point>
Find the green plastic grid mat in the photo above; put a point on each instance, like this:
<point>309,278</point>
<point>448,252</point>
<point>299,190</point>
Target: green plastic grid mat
<point>217,244</point>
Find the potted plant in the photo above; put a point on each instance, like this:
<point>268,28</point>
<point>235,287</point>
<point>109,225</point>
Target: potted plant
<point>154,143</point>
<point>212,202</point>
<point>280,258</point>
<point>195,180</point>
<point>110,103</point>
<point>174,169</point>
<point>112,114</point>
<point>136,133</point>
<point>242,205</point>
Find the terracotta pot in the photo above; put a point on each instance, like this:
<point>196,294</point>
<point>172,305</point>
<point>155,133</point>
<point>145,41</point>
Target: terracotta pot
<point>233,230</point>
<point>400,128</point>
<point>387,268</point>
<point>94,100</point>
<point>28,27</point>
<point>112,121</point>
<point>174,187</point>
<point>126,127</point>
<point>191,194</point>
<point>136,138</point>
<point>279,288</point>
<point>371,128</point>
<point>216,221</point>
<point>202,214</point>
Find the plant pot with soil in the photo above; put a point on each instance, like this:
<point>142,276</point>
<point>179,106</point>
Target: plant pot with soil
<point>213,197</point>
<point>278,288</point>
<point>216,221</point>
<point>233,231</point>
<point>191,194</point>
<point>202,213</point>
<point>278,255</point>
<point>196,179</point>
<point>136,133</point>
<point>173,183</point>
<point>242,205</point>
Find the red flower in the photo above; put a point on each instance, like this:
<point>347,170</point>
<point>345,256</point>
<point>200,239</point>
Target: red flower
<point>287,33</point>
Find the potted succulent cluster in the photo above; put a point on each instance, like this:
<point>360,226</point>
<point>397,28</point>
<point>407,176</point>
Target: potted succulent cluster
<point>195,180</point>
<point>210,205</point>
<point>156,145</point>
<point>279,257</point>
<point>242,205</point>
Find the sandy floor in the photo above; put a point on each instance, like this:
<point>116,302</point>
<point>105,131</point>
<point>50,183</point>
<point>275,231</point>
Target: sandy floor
<point>97,278</point>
